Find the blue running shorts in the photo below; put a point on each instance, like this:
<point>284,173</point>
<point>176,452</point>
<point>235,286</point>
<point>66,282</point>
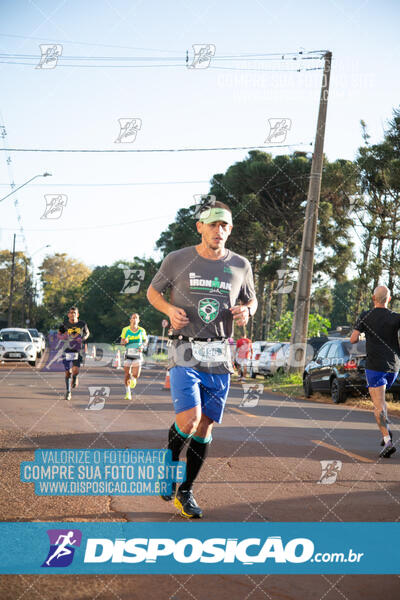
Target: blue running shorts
<point>378,378</point>
<point>190,388</point>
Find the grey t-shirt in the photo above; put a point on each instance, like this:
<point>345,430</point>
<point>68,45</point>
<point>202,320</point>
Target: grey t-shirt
<point>205,289</point>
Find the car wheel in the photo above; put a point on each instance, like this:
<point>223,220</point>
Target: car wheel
<point>338,391</point>
<point>39,354</point>
<point>396,396</point>
<point>280,371</point>
<point>307,387</point>
<point>32,363</point>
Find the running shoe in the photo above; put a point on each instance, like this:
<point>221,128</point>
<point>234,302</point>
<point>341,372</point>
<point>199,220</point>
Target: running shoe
<point>391,438</point>
<point>68,396</point>
<point>132,382</point>
<point>128,396</point>
<point>75,381</point>
<point>187,505</point>
<point>388,450</point>
<point>169,497</point>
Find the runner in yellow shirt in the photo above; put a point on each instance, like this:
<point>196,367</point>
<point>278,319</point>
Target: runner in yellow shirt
<point>133,338</point>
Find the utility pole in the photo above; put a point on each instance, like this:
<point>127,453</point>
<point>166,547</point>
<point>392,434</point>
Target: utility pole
<point>301,311</point>
<point>24,307</point>
<point>11,285</point>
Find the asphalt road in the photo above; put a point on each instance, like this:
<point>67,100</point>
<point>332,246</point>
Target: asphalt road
<point>264,465</point>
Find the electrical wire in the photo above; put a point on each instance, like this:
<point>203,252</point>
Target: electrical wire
<point>113,184</point>
<point>150,150</point>
<point>105,226</point>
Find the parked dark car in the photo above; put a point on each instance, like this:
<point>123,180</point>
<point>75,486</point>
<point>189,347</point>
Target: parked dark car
<point>339,369</point>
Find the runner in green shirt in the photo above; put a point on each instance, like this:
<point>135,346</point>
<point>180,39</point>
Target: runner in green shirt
<point>133,338</point>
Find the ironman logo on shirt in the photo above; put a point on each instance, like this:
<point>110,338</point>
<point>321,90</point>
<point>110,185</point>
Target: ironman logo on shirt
<point>200,284</point>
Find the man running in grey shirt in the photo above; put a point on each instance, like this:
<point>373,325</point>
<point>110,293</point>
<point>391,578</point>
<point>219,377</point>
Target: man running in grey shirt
<point>211,287</point>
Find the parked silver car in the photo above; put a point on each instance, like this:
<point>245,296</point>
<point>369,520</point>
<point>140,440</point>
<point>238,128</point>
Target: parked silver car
<point>38,341</point>
<point>274,359</point>
<point>258,349</point>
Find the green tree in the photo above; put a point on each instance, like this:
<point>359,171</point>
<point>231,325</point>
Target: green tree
<point>378,213</point>
<point>267,196</point>
<point>344,294</point>
<point>21,287</point>
<point>317,326</point>
<point>61,278</point>
<point>107,308</point>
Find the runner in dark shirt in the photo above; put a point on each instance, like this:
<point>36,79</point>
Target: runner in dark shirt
<point>381,328</point>
<point>75,333</point>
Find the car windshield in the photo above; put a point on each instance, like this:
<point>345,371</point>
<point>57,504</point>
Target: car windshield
<point>358,349</point>
<point>34,332</point>
<point>274,348</point>
<point>15,336</point>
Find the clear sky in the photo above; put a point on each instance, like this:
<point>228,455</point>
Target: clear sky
<point>117,205</point>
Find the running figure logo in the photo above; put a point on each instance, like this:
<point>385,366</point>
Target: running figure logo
<point>251,394</point>
<point>55,204</point>
<point>278,129</point>
<point>208,309</point>
<point>330,471</point>
<point>133,279</point>
<point>50,55</point>
<point>62,547</point>
<point>97,397</point>
<point>128,129</point>
<point>285,276</point>
<point>203,54</point>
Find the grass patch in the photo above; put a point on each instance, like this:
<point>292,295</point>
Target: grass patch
<point>160,357</point>
<point>292,385</point>
<point>285,383</point>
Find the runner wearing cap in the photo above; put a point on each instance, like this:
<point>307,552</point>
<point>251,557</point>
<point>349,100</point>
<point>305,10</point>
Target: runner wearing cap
<point>381,327</point>
<point>210,289</point>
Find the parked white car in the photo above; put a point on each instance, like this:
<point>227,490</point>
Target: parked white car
<point>274,359</point>
<point>258,349</point>
<point>16,344</point>
<point>38,341</point>
<point>43,340</point>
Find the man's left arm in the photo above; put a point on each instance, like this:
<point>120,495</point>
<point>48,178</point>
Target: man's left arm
<point>144,339</point>
<point>85,336</point>
<point>86,333</point>
<point>247,296</point>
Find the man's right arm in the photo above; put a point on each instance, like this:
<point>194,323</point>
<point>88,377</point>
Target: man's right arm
<point>358,328</point>
<point>176,315</point>
<point>355,336</point>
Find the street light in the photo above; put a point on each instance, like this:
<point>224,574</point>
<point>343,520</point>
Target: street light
<point>26,183</point>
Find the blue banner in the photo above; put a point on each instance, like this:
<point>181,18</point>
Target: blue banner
<point>198,547</point>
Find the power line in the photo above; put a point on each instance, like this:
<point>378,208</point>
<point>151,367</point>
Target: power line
<point>217,58</point>
<point>149,150</point>
<point>114,184</point>
<point>60,41</point>
<point>117,184</point>
<point>7,62</point>
<point>106,226</point>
